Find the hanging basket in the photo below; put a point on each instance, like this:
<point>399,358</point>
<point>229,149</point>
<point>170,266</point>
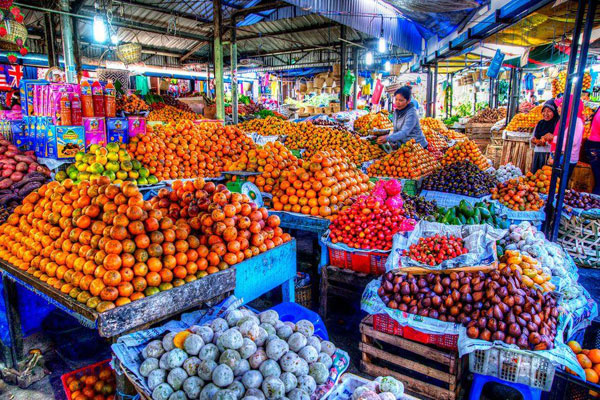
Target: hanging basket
<point>129,53</point>
<point>14,30</point>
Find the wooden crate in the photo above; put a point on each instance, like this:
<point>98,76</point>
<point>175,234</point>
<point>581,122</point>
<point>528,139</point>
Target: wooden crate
<point>518,152</point>
<point>425,371</point>
<point>494,153</point>
<point>476,130</point>
<point>341,282</point>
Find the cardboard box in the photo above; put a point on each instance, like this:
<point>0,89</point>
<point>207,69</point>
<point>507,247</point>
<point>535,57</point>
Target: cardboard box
<point>68,141</point>
<point>117,130</point>
<point>95,132</point>
<point>136,126</point>
<point>27,91</point>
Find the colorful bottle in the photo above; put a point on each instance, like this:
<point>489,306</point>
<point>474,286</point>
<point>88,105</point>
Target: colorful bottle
<point>87,102</point>
<point>76,115</point>
<point>65,109</point>
<point>110,106</point>
<point>98,99</point>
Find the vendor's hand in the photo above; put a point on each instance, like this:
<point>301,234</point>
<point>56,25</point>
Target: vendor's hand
<point>548,137</point>
<point>382,139</point>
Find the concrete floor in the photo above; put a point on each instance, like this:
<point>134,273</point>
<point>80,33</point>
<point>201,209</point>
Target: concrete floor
<point>342,327</point>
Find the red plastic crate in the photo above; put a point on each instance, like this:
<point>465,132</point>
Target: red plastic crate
<point>384,323</point>
<point>365,262</point>
<point>81,371</point>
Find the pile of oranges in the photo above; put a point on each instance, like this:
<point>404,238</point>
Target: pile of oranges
<point>454,135</point>
<point>166,113</point>
<point>540,181</point>
<point>105,246</point>
<point>437,143</point>
<point>525,122</point>
<point>410,161</point>
<point>269,126</point>
<point>433,124</point>
<point>131,104</point>
<point>589,361</point>
<point>188,150</point>
<point>97,385</point>
<point>273,161</point>
<point>465,151</point>
<point>365,124</point>
<point>517,195</point>
<point>314,138</point>
<point>322,186</point>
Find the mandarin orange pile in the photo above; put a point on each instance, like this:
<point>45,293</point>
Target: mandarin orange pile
<point>273,161</point>
<point>437,143</point>
<point>269,126</point>
<point>365,124</point>
<point>96,385</point>
<point>589,359</point>
<point>517,195</point>
<point>465,151</point>
<point>105,246</point>
<point>540,181</point>
<point>410,161</point>
<point>166,113</point>
<point>322,186</point>
<point>131,104</point>
<point>454,135</point>
<point>188,150</point>
<point>525,122</point>
<point>314,138</point>
<point>433,124</point>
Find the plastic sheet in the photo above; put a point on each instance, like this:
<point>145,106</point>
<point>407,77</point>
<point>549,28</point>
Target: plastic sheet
<point>447,200</point>
<point>480,240</point>
<point>515,217</point>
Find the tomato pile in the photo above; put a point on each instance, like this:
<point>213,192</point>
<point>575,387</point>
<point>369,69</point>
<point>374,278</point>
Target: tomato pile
<point>410,161</point>
<point>97,385</point>
<point>517,195</point>
<point>367,224</point>
<point>433,250</point>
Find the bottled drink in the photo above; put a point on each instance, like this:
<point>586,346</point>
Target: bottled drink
<point>76,115</point>
<point>98,99</point>
<point>87,103</point>
<point>65,109</point>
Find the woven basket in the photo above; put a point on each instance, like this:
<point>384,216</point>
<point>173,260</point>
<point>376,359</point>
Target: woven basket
<point>14,30</point>
<point>129,53</point>
<point>580,237</point>
<point>304,296</point>
<point>318,83</point>
<point>114,75</point>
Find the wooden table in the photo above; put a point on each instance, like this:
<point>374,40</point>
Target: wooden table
<point>247,280</point>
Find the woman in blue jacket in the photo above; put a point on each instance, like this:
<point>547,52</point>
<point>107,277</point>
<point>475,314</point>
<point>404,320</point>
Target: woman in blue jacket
<point>406,121</point>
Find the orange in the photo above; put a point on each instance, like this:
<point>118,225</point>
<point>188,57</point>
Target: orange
<point>594,356</point>
<point>584,361</point>
<point>591,375</point>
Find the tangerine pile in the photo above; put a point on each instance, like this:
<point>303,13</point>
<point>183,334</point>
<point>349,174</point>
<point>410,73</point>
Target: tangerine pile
<point>314,138</point>
<point>517,195</point>
<point>273,161</point>
<point>437,143</point>
<point>465,151</point>
<point>269,126</point>
<point>410,161</point>
<point>97,385</point>
<point>454,135</point>
<point>188,150</point>
<point>131,104</point>
<point>589,361</point>
<point>540,181</point>
<point>322,186</point>
<point>105,246</point>
<point>166,113</point>
<point>525,122</point>
<point>365,124</point>
<point>433,124</point>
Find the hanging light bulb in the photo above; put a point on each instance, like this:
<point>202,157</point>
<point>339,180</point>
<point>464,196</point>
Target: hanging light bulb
<point>381,45</point>
<point>387,66</point>
<point>99,28</point>
<point>369,58</point>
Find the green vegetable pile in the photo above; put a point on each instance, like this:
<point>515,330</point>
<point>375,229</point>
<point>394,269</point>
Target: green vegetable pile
<point>466,214</point>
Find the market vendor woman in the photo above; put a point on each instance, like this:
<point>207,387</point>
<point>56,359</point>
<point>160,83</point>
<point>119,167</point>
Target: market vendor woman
<point>543,135</point>
<point>406,121</point>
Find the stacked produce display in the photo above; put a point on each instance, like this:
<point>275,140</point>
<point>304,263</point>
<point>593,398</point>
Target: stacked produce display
<point>517,195</point>
<point>462,178</point>
<point>437,143</point>
<point>373,121</point>
<point>540,181</point>
<point>433,250</point>
<point>270,126</point>
<point>489,115</point>
<point>131,105</point>
<point>433,124</point>
<point>465,151</point>
<point>105,246</point>
<point>325,183</point>
<point>525,122</point>
<point>466,213</point>
<point>417,207</point>
<point>584,201</point>
<point>410,161</point>
<point>166,113</point>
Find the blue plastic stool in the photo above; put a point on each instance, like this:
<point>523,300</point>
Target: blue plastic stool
<point>479,382</point>
<point>294,312</point>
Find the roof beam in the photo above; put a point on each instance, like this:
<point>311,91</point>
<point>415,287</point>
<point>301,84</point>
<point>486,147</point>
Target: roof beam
<point>258,9</point>
<point>289,32</point>
<point>152,7</point>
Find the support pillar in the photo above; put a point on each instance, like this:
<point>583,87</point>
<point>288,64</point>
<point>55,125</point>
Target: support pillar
<point>234,80</point>
<point>50,40</point>
<point>434,90</point>
<point>218,45</point>
<point>67,39</point>
<point>355,95</point>
<point>429,93</point>
<point>343,62</point>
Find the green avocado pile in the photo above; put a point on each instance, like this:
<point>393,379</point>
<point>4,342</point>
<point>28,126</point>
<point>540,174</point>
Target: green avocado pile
<point>466,214</point>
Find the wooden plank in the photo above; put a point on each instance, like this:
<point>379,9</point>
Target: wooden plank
<point>413,385</point>
<point>160,306</point>
<point>430,353</point>
<point>408,364</point>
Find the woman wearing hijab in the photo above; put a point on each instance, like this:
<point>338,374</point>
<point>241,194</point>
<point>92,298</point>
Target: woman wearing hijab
<point>543,135</point>
<point>577,136</point>
<point>406,121</point>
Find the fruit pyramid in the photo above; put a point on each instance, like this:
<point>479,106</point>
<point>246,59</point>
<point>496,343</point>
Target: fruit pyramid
<point>525,122</point>
<point>433,124</point>
<point>365,124</point>
<point>465,151</point>
<point>269,126</point>
<point>410,161</point>
<point>322,186</point>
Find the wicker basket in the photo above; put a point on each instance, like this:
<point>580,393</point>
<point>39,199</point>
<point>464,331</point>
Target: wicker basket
<point>14,30</point>
<point>580,237</point>
<point>318,83</point>
<point>129,53</point>
<point>304,296</point>
<point>114,75</point>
